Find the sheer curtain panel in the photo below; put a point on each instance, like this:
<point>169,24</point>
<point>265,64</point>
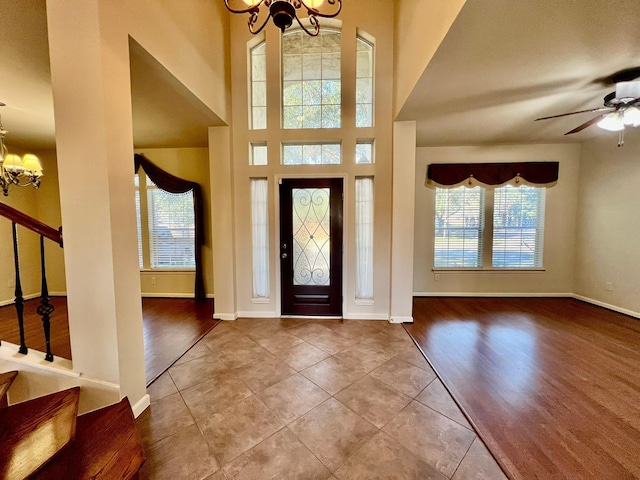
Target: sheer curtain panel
<point>260,237</point>
<point>364,238</point>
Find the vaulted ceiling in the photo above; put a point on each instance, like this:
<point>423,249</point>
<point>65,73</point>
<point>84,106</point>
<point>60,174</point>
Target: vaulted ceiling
<point>502,64</point>
<point>505,63</point>
<point>165,113</point>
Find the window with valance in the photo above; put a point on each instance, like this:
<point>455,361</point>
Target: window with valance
<point>490,215</point>
<point>165,235</point>
<point>535,174</point>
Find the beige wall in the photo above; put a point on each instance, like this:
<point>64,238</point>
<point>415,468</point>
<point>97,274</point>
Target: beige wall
<point>608,223</point>
<point>376,19</point>
<point>189,164</point>
<point>89,50</point>
<point>188,38</point>
<point>43,205</point>
<point>559,235</point>
<point>421,25</point>
<point>403,204</point>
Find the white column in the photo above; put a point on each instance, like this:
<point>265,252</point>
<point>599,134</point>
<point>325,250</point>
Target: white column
<point>89,54</point>
<point>402,223</point>
<point>224,257</point>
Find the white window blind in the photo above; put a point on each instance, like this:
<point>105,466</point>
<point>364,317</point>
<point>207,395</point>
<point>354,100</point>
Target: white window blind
<point>138,220</point>
<point>171,228</point>
<point>260,236</point>
<point>364,238</point>
<point>518,227</point>
<point>459,225</point>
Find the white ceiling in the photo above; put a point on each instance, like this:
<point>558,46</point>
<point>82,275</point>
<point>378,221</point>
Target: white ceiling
<point>505,63</point>
<point>502,64</point>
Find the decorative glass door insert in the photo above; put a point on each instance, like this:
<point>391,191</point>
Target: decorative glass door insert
<point>311,236</point>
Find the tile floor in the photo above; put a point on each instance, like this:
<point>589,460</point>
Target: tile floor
<point>302,399</point>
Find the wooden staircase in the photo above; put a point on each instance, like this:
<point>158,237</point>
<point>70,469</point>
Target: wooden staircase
<point>44,438</point>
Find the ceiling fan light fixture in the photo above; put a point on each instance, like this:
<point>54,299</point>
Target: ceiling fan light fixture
<point>612,122</point>
<point>627,90</point>
<point>631,116</point>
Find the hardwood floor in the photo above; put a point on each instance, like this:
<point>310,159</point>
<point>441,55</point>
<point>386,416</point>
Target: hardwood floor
<point>171,326</point>
<point>33,332</point>
<point>551,385</point>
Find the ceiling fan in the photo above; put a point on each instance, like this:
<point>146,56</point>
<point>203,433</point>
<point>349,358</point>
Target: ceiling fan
<point>621,109</point>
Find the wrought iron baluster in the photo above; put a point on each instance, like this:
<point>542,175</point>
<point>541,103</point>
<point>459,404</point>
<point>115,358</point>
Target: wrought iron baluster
<point>45,309</point>
<point>18,292</point>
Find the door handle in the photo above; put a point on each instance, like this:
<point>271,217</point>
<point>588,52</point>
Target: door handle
<point>283,255</point>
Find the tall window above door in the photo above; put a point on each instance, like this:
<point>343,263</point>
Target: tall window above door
<point>258,117</point>
<point>311,80</point>
<point>364,83</point>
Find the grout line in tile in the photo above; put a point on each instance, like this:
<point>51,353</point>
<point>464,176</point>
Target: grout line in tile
<point>463,456</point>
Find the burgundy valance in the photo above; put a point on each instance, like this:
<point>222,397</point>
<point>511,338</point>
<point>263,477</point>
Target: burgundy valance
<point>173,184</point>
<point>540,174</point>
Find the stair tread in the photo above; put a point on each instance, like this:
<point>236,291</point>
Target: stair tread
<point>6,379</point>
<point>32,432</point>
<point>106,446</point>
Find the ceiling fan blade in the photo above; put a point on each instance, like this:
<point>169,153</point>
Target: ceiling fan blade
<point>586,124</point>
<point>591,110</point>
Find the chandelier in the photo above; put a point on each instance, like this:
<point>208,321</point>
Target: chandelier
<point>16,170</point>
<point>284,12</point>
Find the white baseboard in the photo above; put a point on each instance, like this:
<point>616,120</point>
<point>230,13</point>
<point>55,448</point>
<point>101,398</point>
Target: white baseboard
<point>608,306</point>
<point>491,294</point>
<point>166,295</point>
<point>11,301</point>
<point>141,405</point>
<point>599,303</point>
<point>366,316</point>
<point>257,314</point>
<point>31,296</point>
<point>225,316</point>
<point>400,319</point>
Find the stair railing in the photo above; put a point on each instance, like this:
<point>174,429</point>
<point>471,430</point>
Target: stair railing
<point>45,309</point>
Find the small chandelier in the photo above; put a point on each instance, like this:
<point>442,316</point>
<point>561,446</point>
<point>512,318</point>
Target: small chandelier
<point>15,170</point>
<point>284,12</point>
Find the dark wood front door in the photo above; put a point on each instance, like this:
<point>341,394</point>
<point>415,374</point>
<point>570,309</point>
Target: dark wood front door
<point>311,246</point>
